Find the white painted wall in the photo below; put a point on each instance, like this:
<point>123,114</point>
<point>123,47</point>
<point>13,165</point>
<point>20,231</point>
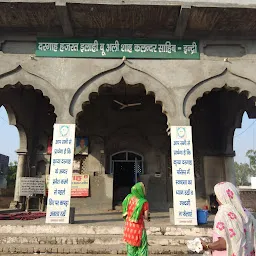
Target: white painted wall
<point>253,182</point>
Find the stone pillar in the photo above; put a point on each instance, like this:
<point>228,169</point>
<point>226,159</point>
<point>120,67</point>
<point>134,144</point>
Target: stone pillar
<point>213,172</point>
<point>229,168</point>
<point>20,173</point>
<point>65,118</point>
<point>217,169</point>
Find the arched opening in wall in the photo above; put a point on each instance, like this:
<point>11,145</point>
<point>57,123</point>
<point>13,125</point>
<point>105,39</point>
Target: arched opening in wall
<point>122,121</point>
<point>9,137</point>
<point>33,115</point>
<point>214,120</point>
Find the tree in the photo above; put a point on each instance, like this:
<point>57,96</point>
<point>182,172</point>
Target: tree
<point>243,171</point>
<point>251,154</point>
<point>11,175</point>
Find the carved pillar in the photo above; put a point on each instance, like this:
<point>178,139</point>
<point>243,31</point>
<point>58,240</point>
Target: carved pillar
<point>20,173</point>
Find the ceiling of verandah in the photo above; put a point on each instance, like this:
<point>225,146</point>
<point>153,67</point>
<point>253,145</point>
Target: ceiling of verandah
<point>141,21</point>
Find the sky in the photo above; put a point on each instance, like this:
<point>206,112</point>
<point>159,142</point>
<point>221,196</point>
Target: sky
<point>244,139</point>
<point>9,137</point>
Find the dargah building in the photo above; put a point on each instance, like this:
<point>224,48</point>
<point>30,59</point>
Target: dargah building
<point>124,72</point>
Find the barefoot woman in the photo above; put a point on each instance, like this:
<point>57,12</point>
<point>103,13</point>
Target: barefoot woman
<point>135,210</point>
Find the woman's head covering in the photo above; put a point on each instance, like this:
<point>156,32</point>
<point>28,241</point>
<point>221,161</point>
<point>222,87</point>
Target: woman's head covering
<point>232,221</point>
<point>138,191</point>
<point>228,194</point>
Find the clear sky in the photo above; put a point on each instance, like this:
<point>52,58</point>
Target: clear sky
<point>243,140</point>
<point>9,137</point>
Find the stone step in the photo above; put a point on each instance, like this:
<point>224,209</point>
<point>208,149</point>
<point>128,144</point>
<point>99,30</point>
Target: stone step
<point>71,254</point>
<point>86,249</point>
<point>101,230</point>
<point>89,240</point>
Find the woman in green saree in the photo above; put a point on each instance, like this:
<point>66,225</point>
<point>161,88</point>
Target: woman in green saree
<point>135,210</point>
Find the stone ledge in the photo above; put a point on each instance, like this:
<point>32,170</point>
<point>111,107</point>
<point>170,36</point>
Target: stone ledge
<point>196,231</point>
<point>93,240</point>
<point>19,249</point>
<point>99,230</point>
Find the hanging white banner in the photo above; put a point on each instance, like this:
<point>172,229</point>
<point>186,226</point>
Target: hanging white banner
<point>58,204</point>
<point>184,197</point>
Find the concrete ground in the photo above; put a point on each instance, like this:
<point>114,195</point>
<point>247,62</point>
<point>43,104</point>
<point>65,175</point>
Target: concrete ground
<point>101,218</point>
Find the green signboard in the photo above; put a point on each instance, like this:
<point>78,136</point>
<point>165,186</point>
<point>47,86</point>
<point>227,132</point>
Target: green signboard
<point>115,49</point>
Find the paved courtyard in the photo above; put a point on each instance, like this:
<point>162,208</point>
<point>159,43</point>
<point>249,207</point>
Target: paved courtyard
<point>109,218</point>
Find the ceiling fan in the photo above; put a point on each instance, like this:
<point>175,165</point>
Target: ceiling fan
<point>126,105</point>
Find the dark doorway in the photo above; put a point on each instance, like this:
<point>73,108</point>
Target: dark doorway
<point>124,179</point>
<point>124,170</point>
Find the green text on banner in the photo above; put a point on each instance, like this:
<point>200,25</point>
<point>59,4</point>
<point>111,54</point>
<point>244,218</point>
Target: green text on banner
<point>117,48</point>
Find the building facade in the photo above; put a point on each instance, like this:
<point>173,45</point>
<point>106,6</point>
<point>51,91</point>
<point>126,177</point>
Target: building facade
<point>211,93</point>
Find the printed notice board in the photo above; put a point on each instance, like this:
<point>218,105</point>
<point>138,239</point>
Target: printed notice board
<point>58,205</point>
<point>184,197</point>
<point>32,186</point>
<point>80,185</point>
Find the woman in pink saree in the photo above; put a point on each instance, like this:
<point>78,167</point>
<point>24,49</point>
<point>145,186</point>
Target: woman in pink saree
<point>233,233</point>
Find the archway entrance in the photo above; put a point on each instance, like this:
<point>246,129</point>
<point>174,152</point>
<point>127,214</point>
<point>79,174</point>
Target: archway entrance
<point>33,115</point>
<point>125,126</point>
<point>214,119</point>
<point>126,167</point>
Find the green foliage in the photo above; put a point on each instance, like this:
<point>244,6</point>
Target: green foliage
<point>251,154</point>
<point>11,175</point>
<point>243,171</point>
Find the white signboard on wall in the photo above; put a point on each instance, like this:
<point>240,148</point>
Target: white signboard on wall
<point>59,194</point>
<point>184,197</point>
<point>32,186</point>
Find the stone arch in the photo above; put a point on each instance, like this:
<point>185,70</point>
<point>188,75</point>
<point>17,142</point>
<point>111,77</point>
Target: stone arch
<point>131,76</point>
<point>226,79</point>
<point>215,117</point>
<point>24,77</point>
<point>21,130</point>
